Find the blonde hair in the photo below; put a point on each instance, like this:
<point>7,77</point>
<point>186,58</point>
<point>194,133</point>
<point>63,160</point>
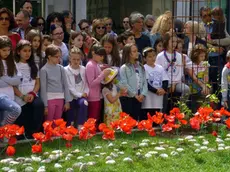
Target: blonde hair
<point>162,24</point>
<point>75,50</point>
<point>194,27</point>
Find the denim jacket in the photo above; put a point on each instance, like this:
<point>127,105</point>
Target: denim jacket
<point>128,79</point>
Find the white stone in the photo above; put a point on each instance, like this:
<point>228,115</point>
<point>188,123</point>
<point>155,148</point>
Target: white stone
<point>205,143</point>
<point>180,139</point>
<point>67,158</point>
<point>172,147</point>
<point>164,155</point>
<point>42,169</point>
<point>110,161</point>
<point>108,158</point>
<point>91,163</point>
<point>46,161</point>
<point>174,153</point>
<point>220,148</point>
<point>161,143</point>
<point>192,140</point>
<point>69,170</point>
<point>138,154</point>
<point>197,150</point>
<point>5,169</point>
<point>148,155</point>
<point>124,143</point>
<point>12,170</point>
<point>97,156</point>
<point>46,153</point>
<point>121,153</point>
<point>228,135</point>
<point>36,159</point>
<point>77,164</point>
<point>227,147</point>
<point>102,153</point>
<point>83,168</point>
<point>153,152</point>
<point>110,145</point>
<point>218,140</point>
<point>203,147</point>
<point>188,137</point>
<point>14,163</point>
<point>98,147</point>
<point>6,161</point>
<point>145,141</point>
<point>56,165</point>
<point>143,144</point>
<point>201,137</point>
<point>80,157</point>
<point>159,148</point>
<point>27,164</point>
<point>20,159</point>
<point>114,155</point>
<point>117,150</point>
<point>87,154</point>
<point>57,151</point>
<point>227,139</point>
<point>211,150</point>
<point>76,151</point>
<point>221,145</point>
<point>28,160</point>
<point>128,159</point>
<point>70,155</point>
<point>180,149</point>
<point>29,169</point>
<point>197,144</point>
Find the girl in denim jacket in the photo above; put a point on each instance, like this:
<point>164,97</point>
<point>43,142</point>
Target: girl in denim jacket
<point>132,75</point>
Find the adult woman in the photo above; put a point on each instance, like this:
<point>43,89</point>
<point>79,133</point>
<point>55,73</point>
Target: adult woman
<point>40,23</point>
<point>99,29</point>
<point>53,18</point>
<point>6,24</point>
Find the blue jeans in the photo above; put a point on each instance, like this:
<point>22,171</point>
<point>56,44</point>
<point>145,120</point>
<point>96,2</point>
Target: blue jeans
<point>9,110</point>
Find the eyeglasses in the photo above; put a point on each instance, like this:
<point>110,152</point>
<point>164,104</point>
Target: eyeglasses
<point>58,34</point>
<point>40,24</point>
<point>4,18</point>
<point>125,21</point>
<point>109,24</point>
<point>101,27</point>
<point>87,27</point>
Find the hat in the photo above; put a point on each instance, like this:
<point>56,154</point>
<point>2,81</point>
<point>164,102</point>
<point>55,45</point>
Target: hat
<point>112,75</point>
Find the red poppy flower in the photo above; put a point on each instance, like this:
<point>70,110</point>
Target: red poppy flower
<point>108,134</point>
<point>228,122</point>
<point>39,136</point>
<point>152,132</point>
<point>174,111</point>
<point>10,151</point>
<point>71,130</point>
<point>195,123</point>
<point>60,122</point>
<point>37,148</point>
<point>67,137</point>
<point>68,145</point>
<point>12,141</point>
<point>20,131</point>
<point>158,118</point>
<point>214,133</point>
<point>102,126</point>
<point>169,118</point>
<point>115,124</point>
<point>166,127</point>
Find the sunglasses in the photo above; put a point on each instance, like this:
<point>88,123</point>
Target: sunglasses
<point>6,18</point>
<point>125,21</point>
<point>101,27</point>
<point>87,27</point>
<point>109,24</point>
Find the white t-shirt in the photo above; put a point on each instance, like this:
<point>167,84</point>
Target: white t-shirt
<point>176,70</point>
<point>7,90</point>
<point>27,84</point>
<point>155,76</point>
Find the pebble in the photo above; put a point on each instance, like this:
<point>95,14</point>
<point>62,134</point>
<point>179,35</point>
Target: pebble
<point>57,152</point>
<point>27,164</point>
<point>110,145</point>
<point>197,144</point>
<point>80,157</point>
<point>174,153</point>
<point>159,148</point>
<point>143,144</point>
<point>220,148</point>
<point>189,137</point>
<point>20,159</point>
<point>87,154</point>
<point>69,155</point>
<point>197,150</point>
<point>77,164</point>
<point>67,158</point>
<point>36,159</point>
<point>164,155</point>
<point>203,147</point>
<point>46,153</point>
<point>218,140</point>
<point>46,161</point>
<point>221,145</point>
<point>153,143</point>
<point>28,160</point>
<point>108,158</point>
<point>42,169</point>
<point>211,150</point>
<point>121,153</point>
<point>201,137</point>
<point>145,141</point>
<point>6,161</point>
<point>227,147</point>
<point>180,149</point>
<point>205,143</point>
<point>116,150</point>
<point>91,163</point>
<point>76,151</point>
<point>69,170</point>
<point>114,155</point>
<point>110,161</point>
<point>171,147</point>
<point>192,140</point>
<point>180,139</point>
<point>98,147</point>
<point>97,156</point>
<point>227,139</point>
<point>29,169</point>
<point>124,143</point>
<point>83,168</point>
<point>56,165</point>
<point>153,152</point>
<point>138,154</point>
<point>148,155</point>
<point>128,159</point>
<point>12,170</point>
<point>5,169</point>
<point>13,163</point>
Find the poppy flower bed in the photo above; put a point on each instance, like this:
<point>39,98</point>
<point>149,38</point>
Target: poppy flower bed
<point>142,150</point>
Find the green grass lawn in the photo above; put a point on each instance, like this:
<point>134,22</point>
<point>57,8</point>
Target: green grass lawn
<point>187,160</point>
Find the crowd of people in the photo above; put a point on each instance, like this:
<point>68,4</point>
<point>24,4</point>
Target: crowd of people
<point>48,70</point>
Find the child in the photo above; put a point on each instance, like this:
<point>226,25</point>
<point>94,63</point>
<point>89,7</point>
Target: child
<point>172,63</point>
<point>78,89</point>
<point>54,86</point>
<point>112,105</point>
<point>94,76</point>
<point>157,81</point>
<point>225,83</point>
<point>197,70</point>
<point>77,42</point>
<point>9,109</point>
<point>158,46</point>
<point>132,75</point>
<point>26,92</point>
<point>35,38</point>
<point>46,41</point>
<point>109,42</point>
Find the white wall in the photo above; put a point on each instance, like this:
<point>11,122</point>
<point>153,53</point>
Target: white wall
<point>56,6</point>
<point>81,10</point>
